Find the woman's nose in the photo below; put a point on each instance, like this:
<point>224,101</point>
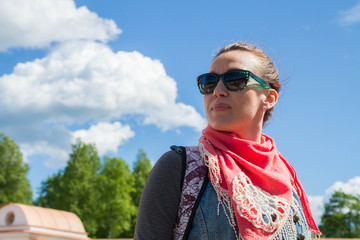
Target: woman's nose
<point>220,90</point>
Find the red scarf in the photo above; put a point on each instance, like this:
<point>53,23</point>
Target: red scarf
<point>253,181</point>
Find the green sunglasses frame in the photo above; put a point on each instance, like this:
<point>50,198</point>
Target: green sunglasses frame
<point>248,74</point>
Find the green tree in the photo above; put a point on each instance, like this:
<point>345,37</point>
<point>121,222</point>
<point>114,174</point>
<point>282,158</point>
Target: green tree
<point>51,192</point>
<point>341,218</point>
<point>14,186</point>
<point>142,168</point>
<point>115,202</point>
<point>106,199</point>
<point>74,189</point>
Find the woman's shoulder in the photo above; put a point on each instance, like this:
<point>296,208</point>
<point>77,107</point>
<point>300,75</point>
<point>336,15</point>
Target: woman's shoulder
<point>175,162</point>
<point>167,171</point>
<point>169,162</point>
<point>160,199</point>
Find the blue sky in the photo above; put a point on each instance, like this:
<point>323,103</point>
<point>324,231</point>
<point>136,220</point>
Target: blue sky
<point>122,74</point>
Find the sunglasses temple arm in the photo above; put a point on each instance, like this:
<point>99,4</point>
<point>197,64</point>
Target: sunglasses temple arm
<point>260,81</point>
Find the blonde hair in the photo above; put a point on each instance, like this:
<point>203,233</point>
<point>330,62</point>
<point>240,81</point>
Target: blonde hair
<point>266,67</point>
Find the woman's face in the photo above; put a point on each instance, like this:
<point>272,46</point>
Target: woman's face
<point>240,112</point>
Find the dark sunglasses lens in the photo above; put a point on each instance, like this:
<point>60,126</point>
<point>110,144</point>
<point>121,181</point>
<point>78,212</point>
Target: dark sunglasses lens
<point>207,83</point>
<point>235,80</point>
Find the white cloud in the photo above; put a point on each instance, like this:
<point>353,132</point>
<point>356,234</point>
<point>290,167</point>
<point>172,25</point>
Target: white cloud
<point>350,16</point>
<point>37,23</point>
<point>350,187</point>
<point>317,207</point>
<point>80,82</point>
<point>173,115</point>
<point>106,136</point>
<point>317,202</point>
<point>55,156</point>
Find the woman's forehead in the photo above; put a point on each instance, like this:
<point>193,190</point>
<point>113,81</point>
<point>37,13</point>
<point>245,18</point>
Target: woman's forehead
<point>236,59</point>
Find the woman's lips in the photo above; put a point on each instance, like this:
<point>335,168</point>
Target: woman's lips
<point>218,107</point>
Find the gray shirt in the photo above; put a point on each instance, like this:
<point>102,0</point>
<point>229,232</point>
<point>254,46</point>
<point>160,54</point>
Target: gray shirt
<point>160,199</point>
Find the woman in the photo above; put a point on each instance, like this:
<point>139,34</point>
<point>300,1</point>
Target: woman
<point>253,192</point>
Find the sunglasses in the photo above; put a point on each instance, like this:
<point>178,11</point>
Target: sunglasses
<point>234,80</point>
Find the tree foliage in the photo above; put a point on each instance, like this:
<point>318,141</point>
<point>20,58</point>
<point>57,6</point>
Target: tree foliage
<point>104,196</point>
<point>142,168</point>
<point>51,192</point>
<point>73,189</point>
<point>115,203</point>
<point>341,218</point>
<point>14,186</point>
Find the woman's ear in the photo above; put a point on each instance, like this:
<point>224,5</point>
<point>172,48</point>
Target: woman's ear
<point>271,97</point>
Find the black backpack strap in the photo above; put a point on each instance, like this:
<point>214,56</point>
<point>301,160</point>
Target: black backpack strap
<point>181,150</point>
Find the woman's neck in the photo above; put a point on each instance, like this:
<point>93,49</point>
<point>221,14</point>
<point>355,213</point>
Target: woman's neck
<point>251,133</point>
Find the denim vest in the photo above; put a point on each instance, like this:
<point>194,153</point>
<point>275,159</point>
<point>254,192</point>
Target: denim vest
<point>203,218</point>
<point>207,224</point>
